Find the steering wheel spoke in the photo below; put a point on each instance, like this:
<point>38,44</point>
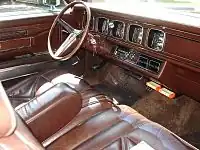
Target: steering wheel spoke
<point>76,37</point>
<point>66,44</point>
<point>66,26</point>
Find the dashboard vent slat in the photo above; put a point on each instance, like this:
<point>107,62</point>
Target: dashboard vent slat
<point>149,63</point>
<point>143,61</point>
<point>154,65</point>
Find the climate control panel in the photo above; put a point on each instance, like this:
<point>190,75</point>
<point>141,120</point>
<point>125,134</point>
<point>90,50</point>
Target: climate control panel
<point>136,58</point>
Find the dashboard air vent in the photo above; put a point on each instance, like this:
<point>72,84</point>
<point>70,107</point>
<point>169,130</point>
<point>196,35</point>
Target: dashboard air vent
<point>135,34</point>
<point>102,25</point>
<point>149,63</point>
<point>154,65</point>
<point>156,39</point>
<point>143,61</point>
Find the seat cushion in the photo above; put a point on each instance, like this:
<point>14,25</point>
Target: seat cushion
<point>115,128</point>
<point>35,85</point>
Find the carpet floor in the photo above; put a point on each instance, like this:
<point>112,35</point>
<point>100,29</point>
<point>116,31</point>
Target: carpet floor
<point>181,116</point>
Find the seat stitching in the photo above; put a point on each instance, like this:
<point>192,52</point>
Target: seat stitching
<point>133,138</point>
<point>98,133</point>
<point>88,96</point>
<point>124,142</point>
<point>31,118</point>
<point>93,116</point>
<point>35,98</point>
<point>48,71</point>
<point>79,124</point>
<point>110,143</point>
<point>43,75</point>
<point>13,98</point>
<point>120,120</point>
<point>168,140</point>
<point>35,87</point>
<point>46,78</point>
<point>144,123</point>
<point>99,100</point>
<point>113,140</point>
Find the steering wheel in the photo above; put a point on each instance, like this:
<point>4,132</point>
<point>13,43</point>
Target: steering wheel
<point>74,34</point>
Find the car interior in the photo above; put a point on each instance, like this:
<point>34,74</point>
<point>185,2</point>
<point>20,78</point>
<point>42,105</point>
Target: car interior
<point>92,76</point>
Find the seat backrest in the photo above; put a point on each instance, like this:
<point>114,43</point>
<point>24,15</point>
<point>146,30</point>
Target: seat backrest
<point>47,113</point>
<point>14,135</point>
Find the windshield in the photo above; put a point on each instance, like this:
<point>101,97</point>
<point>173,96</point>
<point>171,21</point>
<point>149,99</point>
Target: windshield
<point>188,7</point>
<point>184,6</point>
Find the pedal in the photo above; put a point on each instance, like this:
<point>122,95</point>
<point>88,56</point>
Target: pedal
<point>75,60</point>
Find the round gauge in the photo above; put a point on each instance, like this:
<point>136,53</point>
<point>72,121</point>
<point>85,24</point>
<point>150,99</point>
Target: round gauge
<point>103,25</point>
<point>135,33</point>
<point>117,29</point>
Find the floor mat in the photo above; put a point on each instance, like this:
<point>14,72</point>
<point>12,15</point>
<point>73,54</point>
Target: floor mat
<point>181,116</point>
<point>121,95</point>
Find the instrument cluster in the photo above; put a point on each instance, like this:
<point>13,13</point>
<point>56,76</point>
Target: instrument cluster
<point>134,33</point>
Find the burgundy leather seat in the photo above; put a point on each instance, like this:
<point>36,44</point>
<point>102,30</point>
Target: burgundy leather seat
<point>95,124</point>
<point>114,128</point>
<point>37,84</point>
<point>42,98</point>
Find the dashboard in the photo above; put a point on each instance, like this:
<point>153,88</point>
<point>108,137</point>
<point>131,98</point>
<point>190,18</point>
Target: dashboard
<point>163,51</point>
<point>132,33</point>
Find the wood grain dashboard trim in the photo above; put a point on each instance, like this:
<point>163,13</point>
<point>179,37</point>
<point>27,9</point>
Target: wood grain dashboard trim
<point>15,44</point>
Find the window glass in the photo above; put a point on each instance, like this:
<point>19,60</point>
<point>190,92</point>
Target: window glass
<point>184,6</point>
